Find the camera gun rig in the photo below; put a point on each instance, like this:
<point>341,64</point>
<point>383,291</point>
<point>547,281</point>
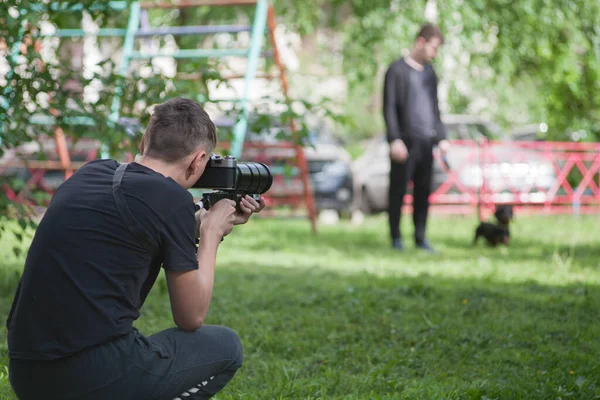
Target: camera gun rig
<point>232,180</point>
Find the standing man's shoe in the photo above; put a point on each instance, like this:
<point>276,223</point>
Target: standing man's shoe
<point>424,245</point>
<point>397,244</point>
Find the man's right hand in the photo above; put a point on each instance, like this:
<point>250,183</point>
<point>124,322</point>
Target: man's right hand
<point>219,219</point>
<point>398,151</point>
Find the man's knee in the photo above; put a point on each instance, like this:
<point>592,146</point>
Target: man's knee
<point>231,344</point>
<point>235,345</point>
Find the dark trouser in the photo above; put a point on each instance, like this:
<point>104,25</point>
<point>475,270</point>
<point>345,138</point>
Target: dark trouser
<point>419,168</point>
<point>172,364</point>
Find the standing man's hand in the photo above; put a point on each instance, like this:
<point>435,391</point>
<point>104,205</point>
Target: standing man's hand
<point>248,206</point>
<point>444,145</point>
<point>398,151</point>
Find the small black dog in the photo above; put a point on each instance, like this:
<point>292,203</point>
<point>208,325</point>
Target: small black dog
<point>498,233</point>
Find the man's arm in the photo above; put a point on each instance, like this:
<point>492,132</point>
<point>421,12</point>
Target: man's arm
<point>390,111</point>
<point>190,292</point>
<point>440,128</point>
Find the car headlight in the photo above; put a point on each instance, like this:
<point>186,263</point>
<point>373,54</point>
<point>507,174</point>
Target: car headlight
<point>343,194</point>
<point>331,176</point>
<point>335,168</point>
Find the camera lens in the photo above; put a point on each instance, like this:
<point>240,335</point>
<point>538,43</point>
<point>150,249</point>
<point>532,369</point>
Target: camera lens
<point>253,177</point>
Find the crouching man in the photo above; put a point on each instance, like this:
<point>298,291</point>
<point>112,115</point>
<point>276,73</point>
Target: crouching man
<point>96,254</point>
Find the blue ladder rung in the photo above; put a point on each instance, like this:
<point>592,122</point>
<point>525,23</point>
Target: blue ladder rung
<point>108,32</point>
<point>41,119</point>
<point>277,170</point>
<point>191,53</point>
<point>58,6</point>
<point>193,30</point>
<point>196,3</point>
<point>203,99</point>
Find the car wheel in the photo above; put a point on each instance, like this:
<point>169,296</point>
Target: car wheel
<point>329,217</point>
<point>365,204</point>
<point>437,180</point>
<point>345,214</point>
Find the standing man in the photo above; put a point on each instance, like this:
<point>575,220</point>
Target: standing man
<point>414,127</point>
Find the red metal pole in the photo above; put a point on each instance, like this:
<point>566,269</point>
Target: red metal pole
<point>302,162</point>
<point>598,192</point>
<point>481,187</point>
<point>59,137</point>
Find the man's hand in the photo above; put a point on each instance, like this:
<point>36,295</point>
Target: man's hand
<point>444,145</point>
<point>398,151</point>
<point>248,206</point>
<point>219,220</point>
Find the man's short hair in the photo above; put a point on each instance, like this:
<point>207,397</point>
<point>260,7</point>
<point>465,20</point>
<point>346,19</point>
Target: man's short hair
<point>428,31</point>
<point>177,128</point>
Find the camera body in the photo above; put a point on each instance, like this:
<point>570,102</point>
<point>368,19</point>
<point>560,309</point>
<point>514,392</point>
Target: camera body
<point>232,180</point>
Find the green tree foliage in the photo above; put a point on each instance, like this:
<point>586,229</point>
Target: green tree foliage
<point>535,55</point>
<point>45,87</point>
<point>46,80</point>
<point>539,56</point>
<point>554,44</point>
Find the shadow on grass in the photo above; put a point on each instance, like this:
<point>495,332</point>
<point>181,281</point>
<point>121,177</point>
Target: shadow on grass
<point>525,249</point>
<point>308,331</point>
<point>524,339</point>
<point>312,333</point>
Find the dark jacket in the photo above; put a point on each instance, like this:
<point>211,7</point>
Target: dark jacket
<point>395,98</point>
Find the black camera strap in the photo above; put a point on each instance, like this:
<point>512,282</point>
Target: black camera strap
<point>134,227</point>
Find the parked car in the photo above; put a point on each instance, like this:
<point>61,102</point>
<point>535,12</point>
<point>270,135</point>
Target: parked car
<point>44,149</point>
<point>530,132</point>
<point>503,173</point>
<point>329,164</point>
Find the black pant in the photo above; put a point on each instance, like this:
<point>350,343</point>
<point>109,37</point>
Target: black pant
<point>170,365</point>
<point>419,168</point>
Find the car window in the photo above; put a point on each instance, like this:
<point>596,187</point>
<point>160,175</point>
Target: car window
<point>475,131</point>
<point>492,131</point>
<point>455,132</point>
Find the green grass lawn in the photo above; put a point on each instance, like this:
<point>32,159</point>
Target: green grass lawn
<point>341,316</point>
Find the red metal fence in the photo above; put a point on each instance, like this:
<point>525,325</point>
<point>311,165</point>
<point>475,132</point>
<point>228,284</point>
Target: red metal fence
<point>291,186</point>
<point>552,177</point>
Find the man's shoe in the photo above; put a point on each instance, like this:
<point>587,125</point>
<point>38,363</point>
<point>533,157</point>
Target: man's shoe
<point>397,244</point>
<point>424,245</point>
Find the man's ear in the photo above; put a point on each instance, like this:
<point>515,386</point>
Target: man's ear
<point>142,145</point>
<point>196,162</point>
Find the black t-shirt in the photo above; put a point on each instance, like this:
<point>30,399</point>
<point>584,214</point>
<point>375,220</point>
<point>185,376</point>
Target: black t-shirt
<point>86,275</point>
